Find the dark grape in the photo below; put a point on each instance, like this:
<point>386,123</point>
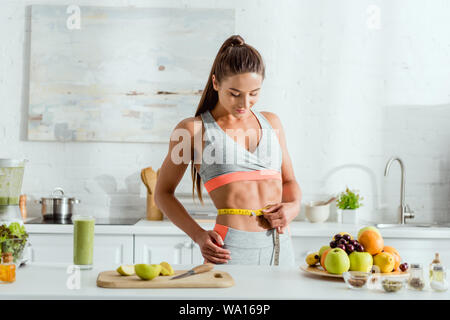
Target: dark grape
<point>333,244</point>
<point>353,242</point>
<point>341,246</point>
<point>403,267</point>
<point>337,237</point>
<point>346,237</point>
<point>349,248</point>
<point>359,247</point>
<point>342,241</point>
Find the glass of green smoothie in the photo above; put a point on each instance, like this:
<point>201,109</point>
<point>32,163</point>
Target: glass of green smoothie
<point>83,241</point>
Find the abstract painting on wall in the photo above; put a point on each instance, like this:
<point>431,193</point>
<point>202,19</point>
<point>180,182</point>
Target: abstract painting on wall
<point>121,74</point>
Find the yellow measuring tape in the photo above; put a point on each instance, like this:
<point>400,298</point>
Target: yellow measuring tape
<point>248,212</point>
<point>244,212</point>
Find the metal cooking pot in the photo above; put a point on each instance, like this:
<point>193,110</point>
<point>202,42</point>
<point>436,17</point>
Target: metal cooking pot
<point>57,207</point>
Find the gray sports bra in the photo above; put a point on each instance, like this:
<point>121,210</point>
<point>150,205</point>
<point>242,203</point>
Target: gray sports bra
<point>225,161</point>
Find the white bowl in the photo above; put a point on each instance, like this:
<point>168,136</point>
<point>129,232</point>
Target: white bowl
<point>315,211</point>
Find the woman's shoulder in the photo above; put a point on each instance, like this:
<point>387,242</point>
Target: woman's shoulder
<point>273,119</point>
<point>191,124</point>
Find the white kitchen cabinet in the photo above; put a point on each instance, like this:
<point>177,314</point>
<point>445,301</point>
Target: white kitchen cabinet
<point>175,249</point>
<point>197,257</point>
<point>58,248</point>
<point>114,249</point>
<point>136,247</point>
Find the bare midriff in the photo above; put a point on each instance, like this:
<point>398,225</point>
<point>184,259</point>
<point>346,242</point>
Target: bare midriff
<point>251,195</point>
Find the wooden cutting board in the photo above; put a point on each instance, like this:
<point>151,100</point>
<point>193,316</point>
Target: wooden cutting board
<point>210,279</point>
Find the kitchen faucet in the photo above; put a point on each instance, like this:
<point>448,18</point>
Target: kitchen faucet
<point>405,211</point>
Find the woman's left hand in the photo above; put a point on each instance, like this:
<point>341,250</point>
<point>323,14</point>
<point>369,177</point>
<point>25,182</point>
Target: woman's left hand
<point>280,215</point>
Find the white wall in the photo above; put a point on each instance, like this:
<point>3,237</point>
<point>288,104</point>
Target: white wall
<point>351,91</point>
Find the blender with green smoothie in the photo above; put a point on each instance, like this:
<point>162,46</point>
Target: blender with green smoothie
<point>11,178</point>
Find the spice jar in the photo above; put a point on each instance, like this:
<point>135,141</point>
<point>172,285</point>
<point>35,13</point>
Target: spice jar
<point>433,263</point>
<point>416,278</point>
<point>7,268</point>
<point>438,281</point>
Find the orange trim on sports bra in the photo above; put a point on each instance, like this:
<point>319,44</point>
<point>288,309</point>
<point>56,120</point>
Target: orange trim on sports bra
<point>224,179</point>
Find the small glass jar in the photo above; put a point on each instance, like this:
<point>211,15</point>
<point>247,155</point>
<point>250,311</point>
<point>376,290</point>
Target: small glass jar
<point>438,281</point>
<point>436,261</point>
<point>416,279</point>
<point>7,268</point>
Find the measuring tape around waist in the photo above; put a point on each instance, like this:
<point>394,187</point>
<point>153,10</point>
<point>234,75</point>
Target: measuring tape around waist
<point>248,212</point>
<point>243,212</point>
<point>276,247</point>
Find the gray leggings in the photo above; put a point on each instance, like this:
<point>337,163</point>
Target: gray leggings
<point>257,248</point>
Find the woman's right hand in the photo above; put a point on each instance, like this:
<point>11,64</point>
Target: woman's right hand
<point>210,250</point>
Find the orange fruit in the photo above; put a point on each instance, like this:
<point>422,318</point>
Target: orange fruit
<point>322,258</point>
<point>367,228</point>
<point>391,250</point>
<point>372,241</point>
<point>396,255</point>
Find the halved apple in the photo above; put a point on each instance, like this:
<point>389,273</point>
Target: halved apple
<point>126,270</point>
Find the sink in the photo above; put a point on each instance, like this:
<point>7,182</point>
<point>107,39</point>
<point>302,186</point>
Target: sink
<point>412,225</point>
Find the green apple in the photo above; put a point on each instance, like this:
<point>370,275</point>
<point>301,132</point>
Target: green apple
<point>322,250</point>
<point>368,228</point>
<point>147,271</point>
<point>360,261</point>
<point>337,261</point>
<point>126,270</point>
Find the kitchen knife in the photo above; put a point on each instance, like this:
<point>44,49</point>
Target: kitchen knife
<point>196,270</point>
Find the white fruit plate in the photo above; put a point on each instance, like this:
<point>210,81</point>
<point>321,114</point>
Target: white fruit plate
<point>319,271</point>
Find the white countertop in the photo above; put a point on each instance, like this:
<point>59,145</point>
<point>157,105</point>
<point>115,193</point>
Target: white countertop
<point>40,281</point>
<point>298,229</point>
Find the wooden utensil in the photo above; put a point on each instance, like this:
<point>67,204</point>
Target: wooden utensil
<point>144,181</point>
<point>149,178</point>
<point>329,201</point>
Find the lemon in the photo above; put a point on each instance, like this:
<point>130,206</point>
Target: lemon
<point>126,270</point>
<point>167,269</point>
<point>385,261</point>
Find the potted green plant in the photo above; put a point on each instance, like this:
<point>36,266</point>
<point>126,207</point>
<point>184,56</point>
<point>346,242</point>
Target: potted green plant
<point>347,204</point>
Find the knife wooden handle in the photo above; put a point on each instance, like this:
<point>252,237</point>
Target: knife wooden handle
<point>203,268</point>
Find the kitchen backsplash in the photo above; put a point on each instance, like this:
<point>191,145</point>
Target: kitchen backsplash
<point>347,106</point>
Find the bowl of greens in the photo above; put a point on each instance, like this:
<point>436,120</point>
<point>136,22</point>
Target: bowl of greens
<point>14,239</point>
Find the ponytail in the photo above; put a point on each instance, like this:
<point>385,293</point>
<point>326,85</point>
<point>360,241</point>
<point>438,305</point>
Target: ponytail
<point>234,57</point>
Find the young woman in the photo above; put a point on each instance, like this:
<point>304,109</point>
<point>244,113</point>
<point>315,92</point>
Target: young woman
<point>241,160</point>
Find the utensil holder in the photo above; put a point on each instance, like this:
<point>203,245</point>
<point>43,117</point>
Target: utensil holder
<point>153,212</point>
